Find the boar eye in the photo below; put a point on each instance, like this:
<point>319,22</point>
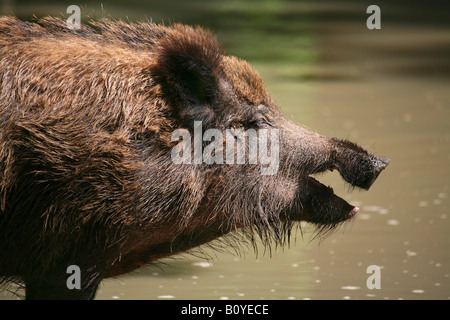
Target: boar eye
<point>259,121</point>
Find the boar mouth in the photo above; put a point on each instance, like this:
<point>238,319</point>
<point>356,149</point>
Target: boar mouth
<point>328,208</point>
<point>322,206</point>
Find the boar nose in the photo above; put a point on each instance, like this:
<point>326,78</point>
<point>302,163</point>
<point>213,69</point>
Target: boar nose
<point>379,163</point>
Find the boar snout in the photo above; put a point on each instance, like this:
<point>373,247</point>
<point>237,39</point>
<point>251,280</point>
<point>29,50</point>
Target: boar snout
<point>313,154</point>
<point>355,164</point>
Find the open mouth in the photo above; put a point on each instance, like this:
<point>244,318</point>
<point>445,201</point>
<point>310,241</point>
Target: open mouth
<point>348,210</point>
<point>321,205</point>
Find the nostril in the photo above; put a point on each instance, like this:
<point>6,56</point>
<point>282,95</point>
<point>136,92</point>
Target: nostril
<point>380,163</point>
<point>386,160</point>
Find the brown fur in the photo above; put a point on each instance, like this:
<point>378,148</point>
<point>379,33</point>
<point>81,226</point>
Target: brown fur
<point>86,177</point>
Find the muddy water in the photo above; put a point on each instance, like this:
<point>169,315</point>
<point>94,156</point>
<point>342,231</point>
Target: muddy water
<point>389,91</point>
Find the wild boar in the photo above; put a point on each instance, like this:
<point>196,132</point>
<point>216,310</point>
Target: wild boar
<point>88,176</point>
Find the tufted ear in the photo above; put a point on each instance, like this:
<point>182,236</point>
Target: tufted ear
<point>187,61</point>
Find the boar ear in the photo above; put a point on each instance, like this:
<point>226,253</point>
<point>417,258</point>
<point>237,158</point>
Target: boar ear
<point>187,60</point>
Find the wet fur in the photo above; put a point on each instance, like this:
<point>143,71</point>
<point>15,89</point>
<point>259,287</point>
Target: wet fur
<point>86,176</point>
